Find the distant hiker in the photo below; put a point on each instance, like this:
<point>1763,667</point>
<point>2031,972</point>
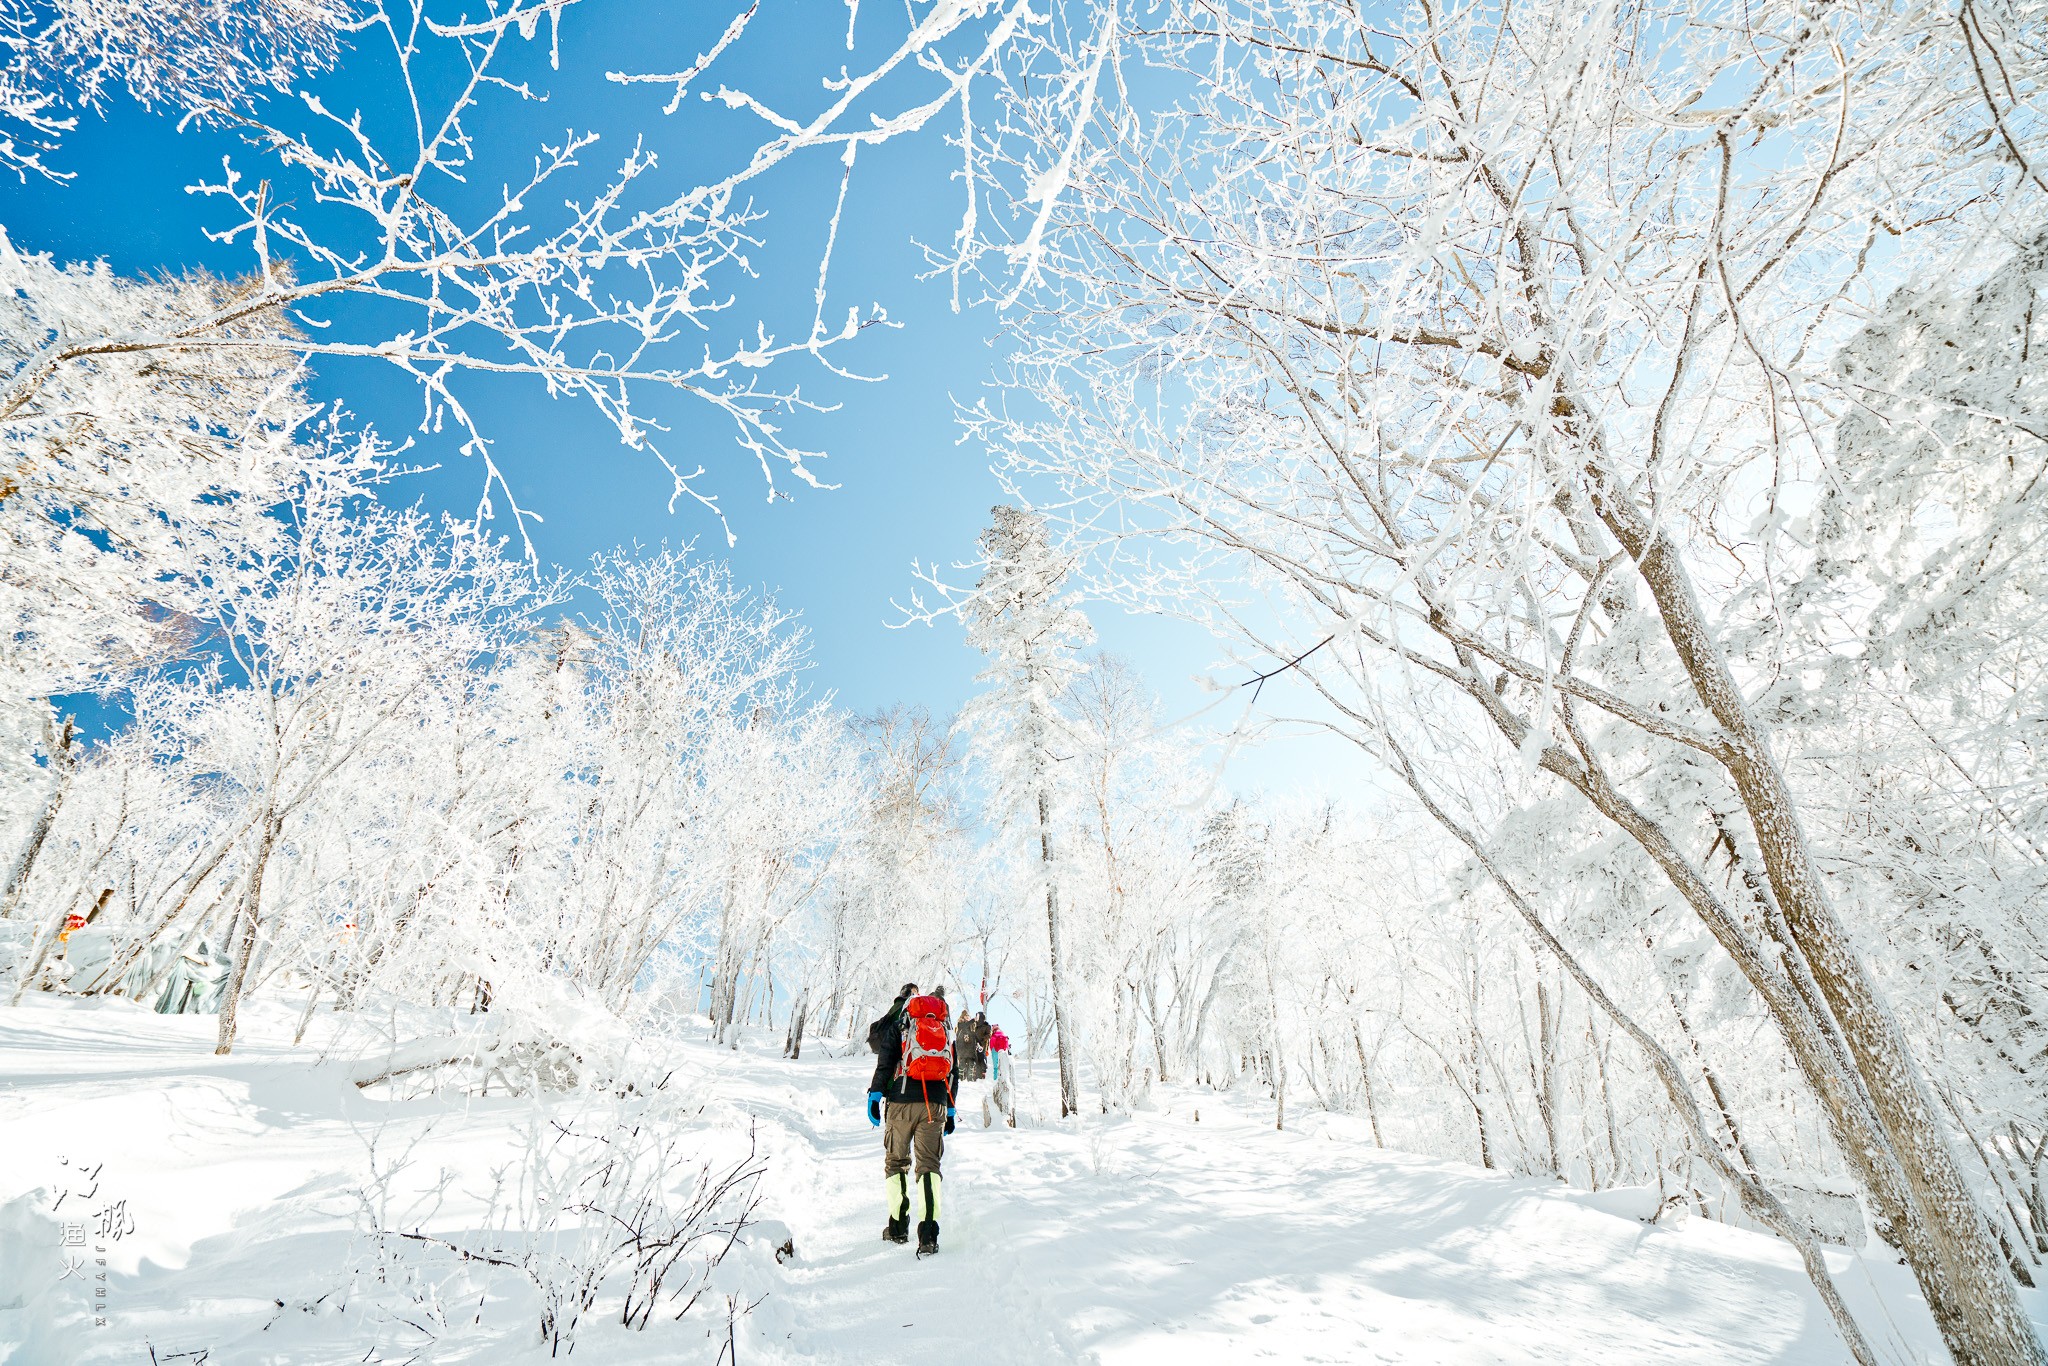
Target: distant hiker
<point>998,1049</point>
<point>983,1031</point>
<point>963,1047</point>
<point>911,1098</point>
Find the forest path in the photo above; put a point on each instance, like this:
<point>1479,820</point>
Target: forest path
<point>1153,1237</point>
<point>1166,1237</point>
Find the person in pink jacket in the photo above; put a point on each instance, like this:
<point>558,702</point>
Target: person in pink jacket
<point>999,1080</point>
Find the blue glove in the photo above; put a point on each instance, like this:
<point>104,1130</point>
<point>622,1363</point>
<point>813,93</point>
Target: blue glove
<point>875,1108</point>
<point>949,1119</point>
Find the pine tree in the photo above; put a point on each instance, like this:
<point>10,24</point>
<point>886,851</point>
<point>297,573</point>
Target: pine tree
<point>1032,634</point>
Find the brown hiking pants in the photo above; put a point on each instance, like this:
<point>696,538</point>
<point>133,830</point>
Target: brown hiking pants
<point>908,1125</point>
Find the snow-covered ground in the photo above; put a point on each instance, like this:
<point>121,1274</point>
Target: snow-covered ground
<point>1189,1233</point>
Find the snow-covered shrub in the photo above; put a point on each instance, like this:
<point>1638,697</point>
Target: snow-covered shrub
<point>624,1210</point>
<point>550,1041</point>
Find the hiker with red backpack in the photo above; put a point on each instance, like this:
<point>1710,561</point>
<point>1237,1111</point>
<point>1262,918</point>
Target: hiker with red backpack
<point>911,1100</point>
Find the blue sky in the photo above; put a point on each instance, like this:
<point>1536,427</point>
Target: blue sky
<point>907,490</point>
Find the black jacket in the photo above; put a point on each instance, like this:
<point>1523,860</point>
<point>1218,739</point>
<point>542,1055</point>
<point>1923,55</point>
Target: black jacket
<point>887,1034</point>
<point>970,1050</point>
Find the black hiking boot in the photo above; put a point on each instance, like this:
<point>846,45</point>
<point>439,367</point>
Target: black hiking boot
<point>927,1237</point>
<point>897,1230</point>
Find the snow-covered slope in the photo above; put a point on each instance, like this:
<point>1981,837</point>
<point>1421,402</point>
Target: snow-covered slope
<point>1188,1233</point>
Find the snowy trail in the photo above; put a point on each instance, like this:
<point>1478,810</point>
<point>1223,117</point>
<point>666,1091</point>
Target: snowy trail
<point>827,1178</point>
<point>1158,1237</point>
<point>1162,1236</point>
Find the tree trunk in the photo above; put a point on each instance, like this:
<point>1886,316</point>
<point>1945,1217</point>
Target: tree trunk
<point>1278,1056</point>
<point>1598,1047</point>
<point>1372,1111</point>
<point>1153,1022</point>
<point>1546,1070</point>
<point>796,1026</point>
<point>1070,1090</point>
<point>245,945</point>
<point>1478,1094</point>
<point>1727,1113</point>
<point>306,1015</point>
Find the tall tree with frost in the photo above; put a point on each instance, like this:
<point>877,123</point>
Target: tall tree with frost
<point>1031,633</point>
<point>1499,351</point>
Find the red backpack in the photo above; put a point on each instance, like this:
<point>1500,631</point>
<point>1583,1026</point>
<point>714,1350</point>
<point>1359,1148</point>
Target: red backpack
<point>927,1047</point>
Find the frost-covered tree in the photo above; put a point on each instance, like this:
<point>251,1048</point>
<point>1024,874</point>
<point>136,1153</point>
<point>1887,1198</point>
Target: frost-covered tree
<point>117,472</point>
<point>907,875</point>
<point>1498,353</point>
<point>35,793</point>
<point>1029,627</point>
<point>795,800</point>
<point>674,664</point>
<point>324,644</point>
<point>1126,824</point>
<point>385,789</point>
